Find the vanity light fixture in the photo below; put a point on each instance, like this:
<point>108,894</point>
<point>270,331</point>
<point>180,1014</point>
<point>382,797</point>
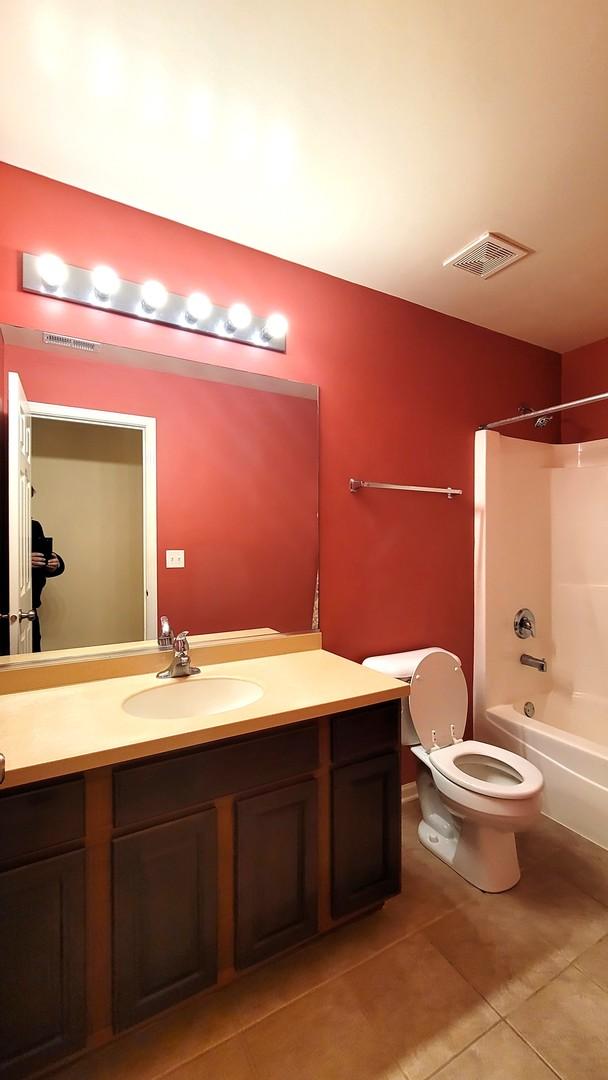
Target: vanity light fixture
<point>239,317</point>
<point>198,307</point>
<point>102,287</point>
<point>106,282</point>
<point>153,296</point>
<point>276,326</point>
<point>52,270</point>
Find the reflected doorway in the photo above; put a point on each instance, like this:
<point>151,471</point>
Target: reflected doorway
<point>92,511</point>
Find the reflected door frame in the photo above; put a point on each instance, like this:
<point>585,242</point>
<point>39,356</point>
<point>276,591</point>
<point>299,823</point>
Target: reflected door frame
<point>147,426</point>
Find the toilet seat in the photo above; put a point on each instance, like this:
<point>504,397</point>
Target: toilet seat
<point>438,700</point>
<point>509,775</point>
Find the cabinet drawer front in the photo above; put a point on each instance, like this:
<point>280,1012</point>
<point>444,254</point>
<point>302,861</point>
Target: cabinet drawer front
<point>363,732</point>
<point>165,915</point>
<point>41,817</point>
<point>167,785</point>
<point>366,834</point>
<point>276,871</point>
<point>42,987</point>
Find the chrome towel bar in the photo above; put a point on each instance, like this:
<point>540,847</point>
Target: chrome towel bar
<point>356,485</point>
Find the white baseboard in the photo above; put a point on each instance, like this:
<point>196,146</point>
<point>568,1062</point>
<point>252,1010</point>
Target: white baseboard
<point>409,791</point>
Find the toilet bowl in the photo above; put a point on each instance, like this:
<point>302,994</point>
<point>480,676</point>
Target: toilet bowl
<point>473,796</point>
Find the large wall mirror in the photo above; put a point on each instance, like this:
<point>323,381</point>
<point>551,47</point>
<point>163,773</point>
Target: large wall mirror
<point>141,485</point>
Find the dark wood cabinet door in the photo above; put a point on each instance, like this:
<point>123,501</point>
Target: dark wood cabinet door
<point>164,915</point>
<point>42,976</point>
<point>276,871</point>
<point>366,833</point>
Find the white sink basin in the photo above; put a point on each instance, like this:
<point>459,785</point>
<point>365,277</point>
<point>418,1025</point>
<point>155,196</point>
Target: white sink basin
<point>192,696</point>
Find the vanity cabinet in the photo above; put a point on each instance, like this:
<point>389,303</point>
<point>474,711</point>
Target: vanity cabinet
<point>42,927</point>
<point>187,868</point>
<point>276,872</point>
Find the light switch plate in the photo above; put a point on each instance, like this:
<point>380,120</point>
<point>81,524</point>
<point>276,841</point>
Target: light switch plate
<point>174,559</point>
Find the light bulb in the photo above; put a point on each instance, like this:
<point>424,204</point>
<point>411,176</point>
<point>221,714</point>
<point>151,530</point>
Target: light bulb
<point>276,326</point>
<point>239,317</point>
<point>153,295</point>
<point>198,307</point>
<point>106,282</point>
<point>52,270</point>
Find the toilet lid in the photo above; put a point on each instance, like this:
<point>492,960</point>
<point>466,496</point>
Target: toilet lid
<point>438,700</point>
<point>488,770</point>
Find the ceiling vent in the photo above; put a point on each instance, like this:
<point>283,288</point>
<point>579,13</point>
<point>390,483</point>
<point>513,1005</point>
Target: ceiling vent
<point>487,255</point>
<point>70,342</point>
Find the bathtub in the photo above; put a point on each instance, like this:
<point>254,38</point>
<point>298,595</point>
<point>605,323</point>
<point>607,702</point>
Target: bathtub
<point>568,740</point>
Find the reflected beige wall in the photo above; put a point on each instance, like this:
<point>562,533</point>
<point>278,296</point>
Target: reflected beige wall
<point>88,481</point>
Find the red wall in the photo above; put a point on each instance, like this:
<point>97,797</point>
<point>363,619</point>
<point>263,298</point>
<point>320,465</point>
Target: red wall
<point>236,487</point>
<point>584,373</point>
<point>403,389</point>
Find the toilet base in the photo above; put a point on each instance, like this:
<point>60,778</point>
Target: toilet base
<point>483,856</point>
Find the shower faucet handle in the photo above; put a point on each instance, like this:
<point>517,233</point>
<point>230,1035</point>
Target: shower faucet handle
<point>524,623</point>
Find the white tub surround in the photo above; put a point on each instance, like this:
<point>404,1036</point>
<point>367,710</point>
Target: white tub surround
<point>541,542</point>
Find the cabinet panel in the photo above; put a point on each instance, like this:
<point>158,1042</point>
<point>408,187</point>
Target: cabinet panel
<point>176,782</point>
<point>276,871</point>
<point>366,833</point>
<point>35,818</point>
<point>42,983</point>
<point>360,733</point>
<point>165,916</point>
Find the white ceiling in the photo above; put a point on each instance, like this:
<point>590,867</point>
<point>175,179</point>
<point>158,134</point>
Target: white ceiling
<point>370,139</point>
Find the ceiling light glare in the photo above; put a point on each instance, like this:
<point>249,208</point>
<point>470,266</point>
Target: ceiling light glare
<point>53,271</point>
<point>275,327</point>
<point>153,296</point>
<point>106,282</point>
<point>198,307</point>
<point>239,317</point>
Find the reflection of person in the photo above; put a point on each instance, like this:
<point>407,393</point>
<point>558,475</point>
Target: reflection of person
<point>45,564</point>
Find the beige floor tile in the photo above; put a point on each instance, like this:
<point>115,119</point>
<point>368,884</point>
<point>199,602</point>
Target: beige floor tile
<point>594,963</point>
<point>567,1022</point>
<point>421,1009</point>
<point>544,838</point>
<point>510,944</point>
<point>498,1055</point>
<point>323,1036</point>
<point>286,979</point>
<point>174,1038</point>
<point>430,889</point>
<point>581,862</point>
<point>225,1062</point>
<point>410,818</point>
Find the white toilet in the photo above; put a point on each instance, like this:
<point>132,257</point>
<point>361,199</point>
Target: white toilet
<point>473,797</point>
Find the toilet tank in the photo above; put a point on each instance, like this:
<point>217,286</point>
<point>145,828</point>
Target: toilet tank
<point>402,666</point>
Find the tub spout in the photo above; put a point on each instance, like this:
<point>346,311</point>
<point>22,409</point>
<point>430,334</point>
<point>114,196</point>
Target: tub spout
<point>533,661</point>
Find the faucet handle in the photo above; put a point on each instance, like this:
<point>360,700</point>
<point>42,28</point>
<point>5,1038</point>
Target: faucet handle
<point>524,623</point>
<point>181,643</point>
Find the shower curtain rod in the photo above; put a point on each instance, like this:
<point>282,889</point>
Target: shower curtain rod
<point>543,412</point>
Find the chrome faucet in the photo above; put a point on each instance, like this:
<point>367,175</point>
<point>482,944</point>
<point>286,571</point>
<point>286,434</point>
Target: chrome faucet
<point>165,634</point>
<point>180,665</point>
<point>533,661</point>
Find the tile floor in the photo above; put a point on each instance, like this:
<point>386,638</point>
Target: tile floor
<point>445,981</point>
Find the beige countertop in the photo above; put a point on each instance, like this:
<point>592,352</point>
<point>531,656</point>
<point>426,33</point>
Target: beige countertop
<point>51,732</point>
